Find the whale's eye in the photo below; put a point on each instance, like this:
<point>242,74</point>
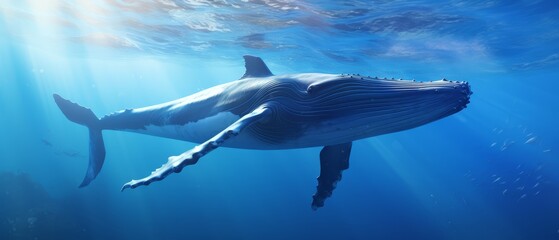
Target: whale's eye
<point>320,86</point>
<point>310,89</point>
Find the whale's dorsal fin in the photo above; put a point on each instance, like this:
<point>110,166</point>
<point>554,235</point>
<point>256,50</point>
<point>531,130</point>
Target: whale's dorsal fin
<point>255,67</point>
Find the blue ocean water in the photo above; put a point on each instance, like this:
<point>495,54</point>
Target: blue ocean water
<point>490,171</point>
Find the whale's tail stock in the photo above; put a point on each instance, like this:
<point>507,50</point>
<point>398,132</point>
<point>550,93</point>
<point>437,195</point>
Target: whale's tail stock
<point>86,117</point>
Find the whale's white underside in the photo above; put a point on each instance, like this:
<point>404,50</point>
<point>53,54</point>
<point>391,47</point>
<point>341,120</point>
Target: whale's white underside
<point>196,132</point>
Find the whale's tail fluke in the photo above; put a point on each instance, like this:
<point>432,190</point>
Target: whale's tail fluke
<point>84,116</point>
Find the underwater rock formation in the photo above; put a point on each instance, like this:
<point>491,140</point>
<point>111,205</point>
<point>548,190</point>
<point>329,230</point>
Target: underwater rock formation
<point>28,212</point>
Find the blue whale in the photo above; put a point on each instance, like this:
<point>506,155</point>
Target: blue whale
<point>266,111</point>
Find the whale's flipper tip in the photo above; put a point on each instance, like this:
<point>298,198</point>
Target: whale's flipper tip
<point>132,184</point>
<point>333,160</point>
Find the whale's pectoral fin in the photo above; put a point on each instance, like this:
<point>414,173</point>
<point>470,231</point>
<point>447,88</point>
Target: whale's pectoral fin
<point>177,163</point>
<point>333,160</point>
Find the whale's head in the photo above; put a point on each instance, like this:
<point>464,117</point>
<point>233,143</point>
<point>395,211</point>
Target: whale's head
<point>365,106</point>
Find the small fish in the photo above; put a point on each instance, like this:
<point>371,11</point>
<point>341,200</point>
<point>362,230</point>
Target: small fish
<point>523,196</point>
<point>520,188</point>
<point>497,179</point>
<point>46,142</point>
<point>493,144</point>
<point>505,191</point>
<point>531,140</point>
<point>516,180</point>
<point>506,144</point>
<point>546,150</point>
<point>71,154</point>
<point>31,220</point>
<point>536,185</point>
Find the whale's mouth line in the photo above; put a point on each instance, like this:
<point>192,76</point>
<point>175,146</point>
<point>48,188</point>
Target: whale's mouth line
<point>394,92</point>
